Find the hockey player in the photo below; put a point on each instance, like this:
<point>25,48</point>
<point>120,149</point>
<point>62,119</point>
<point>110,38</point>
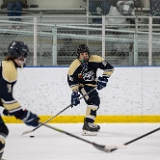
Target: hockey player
<point>82,79</point>
<point>17,54</point>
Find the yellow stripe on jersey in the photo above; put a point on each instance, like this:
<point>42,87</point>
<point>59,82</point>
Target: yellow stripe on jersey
<point>2,139</point>
<point>74,65</point>
<point>108,72</point>
<point>9,72</point>
<point>75,88</point>
<point>11,106</point>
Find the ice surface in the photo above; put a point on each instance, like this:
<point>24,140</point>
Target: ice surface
<point>48,144</point>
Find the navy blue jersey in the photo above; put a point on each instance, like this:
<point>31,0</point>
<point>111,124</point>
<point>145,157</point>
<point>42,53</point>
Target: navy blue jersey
<point>80,74</point>
<point>8,78</point>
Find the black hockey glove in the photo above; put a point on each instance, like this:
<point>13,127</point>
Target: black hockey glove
<point>6,112</point>
<point>75,98</point>
<point>102,82</point>
<point>30,118</point>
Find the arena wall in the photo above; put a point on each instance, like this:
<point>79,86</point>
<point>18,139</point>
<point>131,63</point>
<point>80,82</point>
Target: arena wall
<point>132,95</point>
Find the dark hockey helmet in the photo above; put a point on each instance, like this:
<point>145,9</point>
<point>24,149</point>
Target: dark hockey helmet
<point>81,49</point>
<point>18,49</point>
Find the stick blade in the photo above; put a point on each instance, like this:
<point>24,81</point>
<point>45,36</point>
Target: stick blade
<point>26,132</point>
<point>107,149</point>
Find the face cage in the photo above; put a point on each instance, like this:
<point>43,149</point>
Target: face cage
<point>25,58</point>
<point>83,61</point>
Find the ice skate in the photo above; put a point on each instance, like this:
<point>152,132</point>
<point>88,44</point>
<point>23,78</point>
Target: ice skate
<point>90,129</point>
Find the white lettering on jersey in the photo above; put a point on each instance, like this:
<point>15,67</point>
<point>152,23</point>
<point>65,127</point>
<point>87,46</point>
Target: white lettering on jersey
<point>104,63</point>
<point>88,76</point>
<point>9,88</point>
<point>70,78</point>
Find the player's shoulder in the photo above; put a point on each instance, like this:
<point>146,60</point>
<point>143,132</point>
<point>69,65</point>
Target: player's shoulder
<point>95,58</point>
<point>75,64</point>
<point>8,65</point>
<point>9,71</point>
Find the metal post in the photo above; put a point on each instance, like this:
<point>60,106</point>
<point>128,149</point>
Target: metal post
<point>150,42</point>
<point>87,14</point>
<point>103,37</point>
<point>54,51</point>
<point>136,42</point>
<point>40,42</point>
<point>35,42</point>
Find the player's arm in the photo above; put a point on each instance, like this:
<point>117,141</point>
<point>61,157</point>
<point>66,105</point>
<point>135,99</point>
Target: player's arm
<point>107,67</point>
<point>73,82</point>
<point>102,64</point>
<point>12,106</point>
<point>72,76</point>
<point>7,81</point>
<point>108,70</point>
<point>9,103</point>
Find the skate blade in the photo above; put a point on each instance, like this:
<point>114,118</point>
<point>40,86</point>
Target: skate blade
<point>88,133</point>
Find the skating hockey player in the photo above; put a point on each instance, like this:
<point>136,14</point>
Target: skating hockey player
<point>82,79</point>
<point>17,54</point>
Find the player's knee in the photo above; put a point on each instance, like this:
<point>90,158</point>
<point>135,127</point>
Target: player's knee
<point>2,144</point>
<point>4,130</point>
<point>95,101</point>
<point>3,134</point>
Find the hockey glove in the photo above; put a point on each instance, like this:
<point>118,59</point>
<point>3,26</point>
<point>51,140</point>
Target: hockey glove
<point>102,82</point>
<point>75,98</point>
<point>30,119</point>
<point>6,112</point>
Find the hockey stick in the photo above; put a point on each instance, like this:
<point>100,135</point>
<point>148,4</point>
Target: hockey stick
<point>136,139</point>
<point>97,146</point>
<point>30,131</point>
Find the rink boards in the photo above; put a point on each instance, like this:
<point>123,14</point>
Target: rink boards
<point>132,95</point>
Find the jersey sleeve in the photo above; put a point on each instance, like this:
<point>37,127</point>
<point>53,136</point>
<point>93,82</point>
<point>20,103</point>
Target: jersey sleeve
<point>7,82</point>
<point>107,67</point>
<point>104,65</point>
<point>72,76</point>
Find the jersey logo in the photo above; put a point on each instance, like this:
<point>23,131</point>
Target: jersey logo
<point>88,76</point>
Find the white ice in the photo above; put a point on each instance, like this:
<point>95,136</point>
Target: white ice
<point>52,145</point>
